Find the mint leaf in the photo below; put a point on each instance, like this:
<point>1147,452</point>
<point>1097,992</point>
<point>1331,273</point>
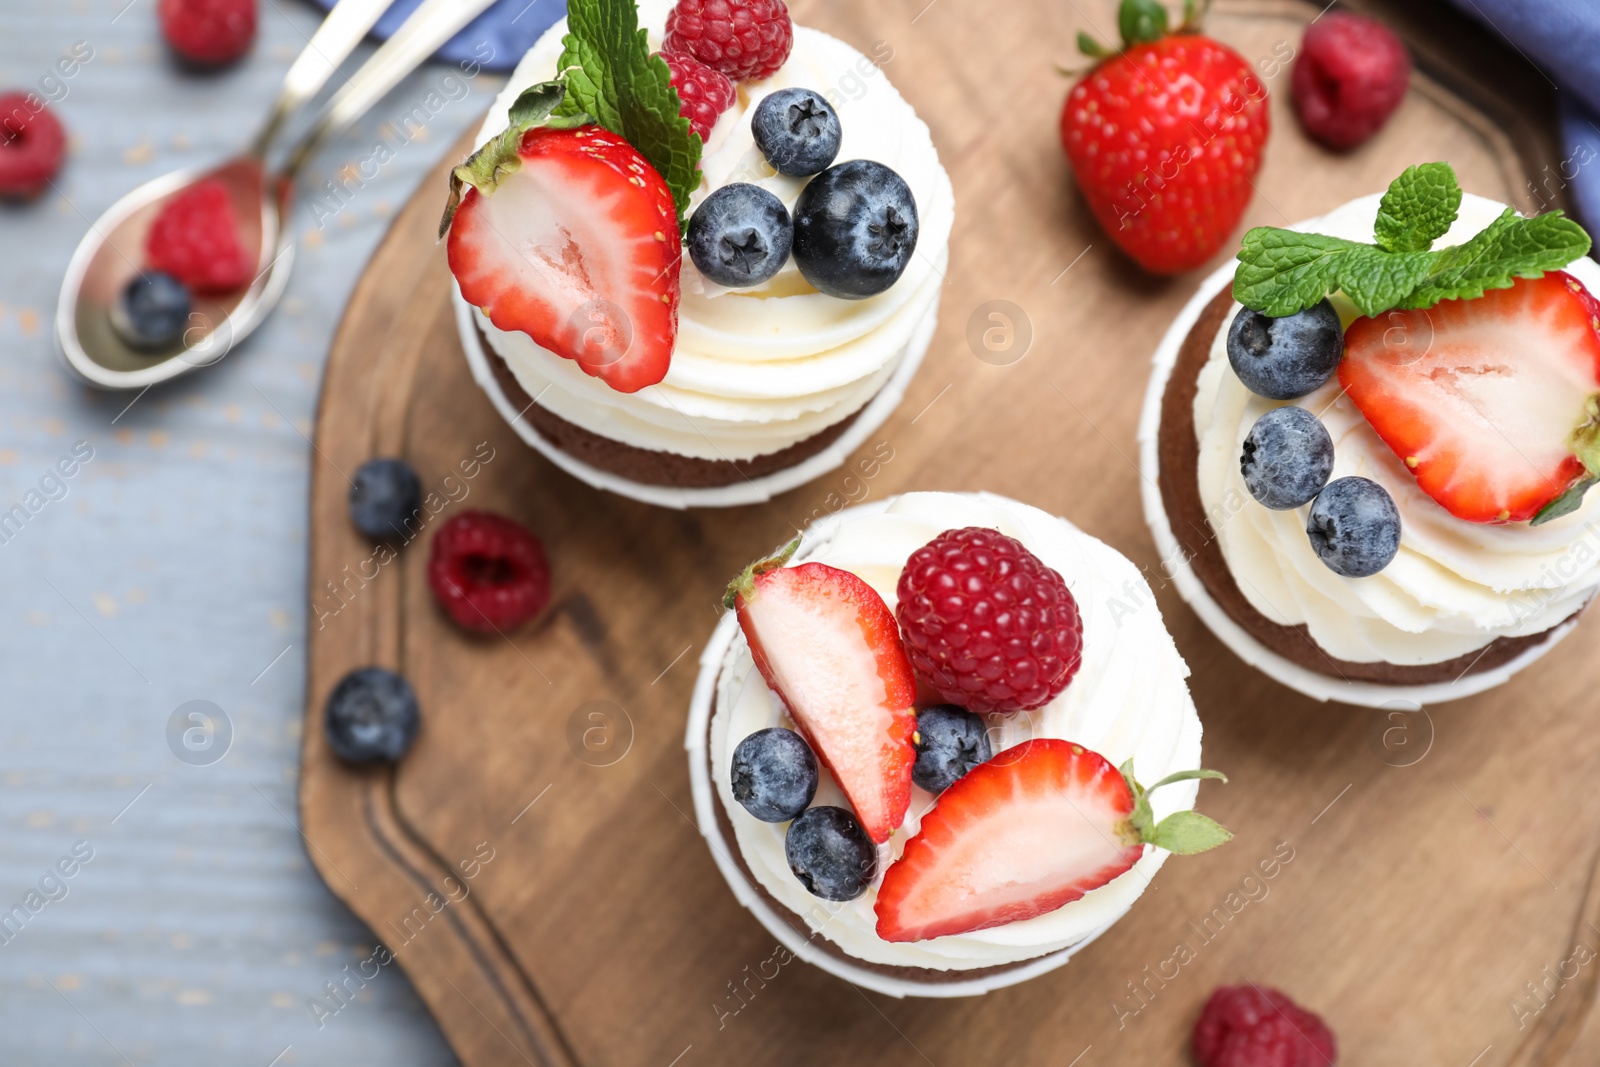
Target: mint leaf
<point>1376,281</point>
<point>1285,271</point>
<point>1418,209</point>
<point>1511,248</point>
<point>611,75</point>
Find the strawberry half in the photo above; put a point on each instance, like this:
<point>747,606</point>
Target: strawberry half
<point>570,236</point>
<point>1491,402</point>
<point>1034,828</point>
<point>829,646</point>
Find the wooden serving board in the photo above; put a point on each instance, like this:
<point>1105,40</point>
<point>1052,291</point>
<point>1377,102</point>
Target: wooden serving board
<point>1427,878</point>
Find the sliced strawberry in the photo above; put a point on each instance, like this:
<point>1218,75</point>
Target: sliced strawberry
<point>1036,827</point>
<point>1488,401</point>
<point>829,646</point>
<point>576,246</point>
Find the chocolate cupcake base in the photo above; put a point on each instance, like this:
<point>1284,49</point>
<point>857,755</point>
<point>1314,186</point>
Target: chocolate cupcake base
<point>666,478</point>
<point>1193,557</point>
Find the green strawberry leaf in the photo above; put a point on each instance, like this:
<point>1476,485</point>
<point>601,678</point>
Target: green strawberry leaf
<point>1511,247</point>
<point>612,76</point>
<point>744,586</point>
<point>1141,21</point>
<point>1565,504</point>
<point>484,169</point>
<point>1188,832</point>
<point>1285,271</point>
<point>1418,209</point>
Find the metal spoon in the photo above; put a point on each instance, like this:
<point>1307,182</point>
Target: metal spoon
<point>111,253</point>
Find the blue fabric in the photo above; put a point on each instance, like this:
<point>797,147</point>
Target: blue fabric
<point>508,29</point>
<point>1562,38</point>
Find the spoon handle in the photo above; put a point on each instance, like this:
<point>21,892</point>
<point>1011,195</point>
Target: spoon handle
<point>335,39</point>
<point>432,24</point>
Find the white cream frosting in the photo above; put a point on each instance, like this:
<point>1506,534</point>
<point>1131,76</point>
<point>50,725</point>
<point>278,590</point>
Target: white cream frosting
<point>757,370</point>
<point>1130,699</point>
<point>1454,587</point>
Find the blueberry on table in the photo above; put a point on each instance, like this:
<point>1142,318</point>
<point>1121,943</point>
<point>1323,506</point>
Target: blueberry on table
<point>1354,527</point>
<point>855,227</point>
<point>797,131</point>
<point>1282,359</point>
<point>371,716</point>
<point>774,774</point>
<point>830,853</point>
<point>1287,458</point>
<point>740,235</point>
<point>950,742</point>
<point>384,495</point>
<point>152,311</point>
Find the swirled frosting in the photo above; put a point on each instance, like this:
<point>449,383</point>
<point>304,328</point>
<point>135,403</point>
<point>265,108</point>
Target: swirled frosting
<point>757,370</point>
<point>1130,699</point>
<point>1454,587</point>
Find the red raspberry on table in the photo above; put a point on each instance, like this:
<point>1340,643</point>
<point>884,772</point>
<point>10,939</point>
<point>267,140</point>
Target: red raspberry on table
<point>488,573</point>
<point>32,145</point>
<point>195,239</point>
<point>703,93</point>
<point>1253,1026</point>
<point>1351,75</point>
<point>745,39</point>
<point>211,33</point>
<point>986,623</point>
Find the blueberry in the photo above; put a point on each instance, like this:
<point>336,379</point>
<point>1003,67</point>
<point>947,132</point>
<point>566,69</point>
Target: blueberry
<point>371,716</point>
<point>740,235</point>
<point>152,311</point>
<point>774,774</point>
<point>950,742</point>
<point>1354,527</point>
<point>384,497</point>
<point>855,227</point>
<point>797,131</point>
<point>1287,458</point>
<point>1285,358</point>
<point>830,853</point>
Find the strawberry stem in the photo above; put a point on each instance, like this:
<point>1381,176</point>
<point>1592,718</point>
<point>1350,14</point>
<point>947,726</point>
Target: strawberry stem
<point>744,586</point>
<point>1183,832</point>
<point>501,157</point>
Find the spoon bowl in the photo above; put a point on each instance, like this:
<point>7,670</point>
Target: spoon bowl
<point>111,255</point>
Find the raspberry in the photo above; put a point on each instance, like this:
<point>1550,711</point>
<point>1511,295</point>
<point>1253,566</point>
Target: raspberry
<point>745,39</point>
<point>32,146</point>
<point>210,33</point>
<point>986,623</point>
<point>488,573</point>
<point>1251,1026</point>
<point>703,93</point>
<point>196,240</point>
<point>1351,75</point>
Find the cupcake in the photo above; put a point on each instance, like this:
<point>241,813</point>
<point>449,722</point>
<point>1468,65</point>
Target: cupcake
<point>932,795</point>
<point>1370,481</point>
<point>768,342</point>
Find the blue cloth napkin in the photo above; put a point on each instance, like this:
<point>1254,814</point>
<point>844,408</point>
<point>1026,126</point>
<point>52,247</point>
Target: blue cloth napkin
<point>495,39</point>
<point>1562,38</point>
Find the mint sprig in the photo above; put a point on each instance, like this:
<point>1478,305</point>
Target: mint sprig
<point>608,78</point>
<point>611,76</point>
<point>1284,271</point>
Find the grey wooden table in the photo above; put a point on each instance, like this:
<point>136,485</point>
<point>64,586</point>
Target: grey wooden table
<point>171,568</point>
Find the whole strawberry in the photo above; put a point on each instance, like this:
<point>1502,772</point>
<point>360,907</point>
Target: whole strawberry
<point>1165,138</point>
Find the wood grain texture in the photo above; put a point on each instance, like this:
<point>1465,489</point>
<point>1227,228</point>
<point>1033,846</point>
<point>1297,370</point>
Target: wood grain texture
<point>1415,901</point>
